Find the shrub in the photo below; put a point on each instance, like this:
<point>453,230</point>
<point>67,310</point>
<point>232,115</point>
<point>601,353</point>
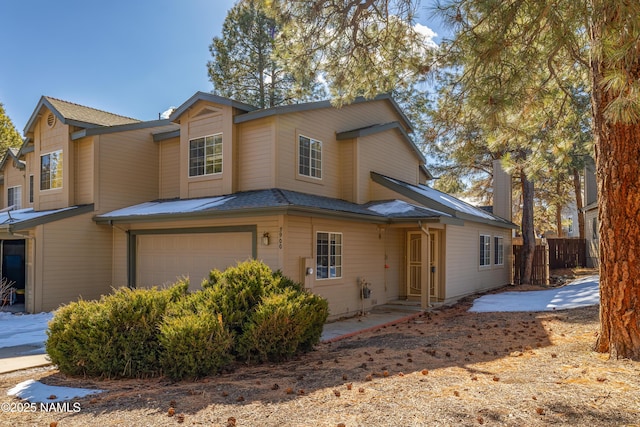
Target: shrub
<point>282,325</point>
<point>194,345</point>
<point>247,311</point>
<point>114,337</point>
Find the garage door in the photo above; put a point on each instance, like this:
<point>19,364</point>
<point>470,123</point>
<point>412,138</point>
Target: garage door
<point>162,258</point>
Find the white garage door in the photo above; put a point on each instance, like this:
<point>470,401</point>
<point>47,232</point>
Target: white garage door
<point>162,258</point>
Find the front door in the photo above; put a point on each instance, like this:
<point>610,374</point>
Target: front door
<point>414,263</point>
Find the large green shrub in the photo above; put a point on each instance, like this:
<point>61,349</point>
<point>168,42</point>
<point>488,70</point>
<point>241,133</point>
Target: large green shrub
<point>194,345</point>
<point>114,337</point>
<point>282,325</point>
<point>246,312</point>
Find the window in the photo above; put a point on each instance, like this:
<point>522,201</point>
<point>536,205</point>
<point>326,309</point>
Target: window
<point>485,250</point>
<point>51,170</point>
<point>14,197</point>
<point>329,255</point>
<point>205,155</point>
<point>309,157</point>
<point>30,188</point>
<point>594,229</point>
<point>498,247</point>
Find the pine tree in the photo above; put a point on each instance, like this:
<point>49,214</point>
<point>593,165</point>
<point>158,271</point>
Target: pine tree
<point>9,136</point>
<point>510,45</point>
<point>244,66</point>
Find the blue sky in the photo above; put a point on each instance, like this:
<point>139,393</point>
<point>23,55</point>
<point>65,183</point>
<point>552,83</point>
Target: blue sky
<point>136,58</point>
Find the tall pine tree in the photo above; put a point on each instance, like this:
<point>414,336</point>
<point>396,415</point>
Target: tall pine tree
<point>244,66</point>
<point>9,136</point>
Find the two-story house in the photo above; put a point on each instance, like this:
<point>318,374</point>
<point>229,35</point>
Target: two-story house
<point>335,198</point>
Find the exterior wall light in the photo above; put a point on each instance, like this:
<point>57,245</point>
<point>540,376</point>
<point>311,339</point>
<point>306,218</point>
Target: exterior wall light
<point>265,238</point>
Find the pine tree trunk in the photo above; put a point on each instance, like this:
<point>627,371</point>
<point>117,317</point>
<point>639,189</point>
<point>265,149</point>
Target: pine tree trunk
<point>617,151</point>
<point>528,234</point>
<point>577,188</point>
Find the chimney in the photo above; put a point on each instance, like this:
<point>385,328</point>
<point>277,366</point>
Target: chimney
<point>502,204</point>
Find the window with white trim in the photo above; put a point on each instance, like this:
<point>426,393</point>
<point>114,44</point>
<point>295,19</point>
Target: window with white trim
<point>14,197</point>
<point>309,157</point>
<point>485,250</point>
<point>328,255</point>
<point>51,170</point>
<point>205,155</point>
<point>498,247</point>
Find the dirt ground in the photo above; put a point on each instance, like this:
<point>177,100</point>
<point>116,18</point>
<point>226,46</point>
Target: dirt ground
<point>448,367</point>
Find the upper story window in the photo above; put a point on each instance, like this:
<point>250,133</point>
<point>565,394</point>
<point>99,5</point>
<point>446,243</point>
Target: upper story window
<point>328,255</point>
<point>51,170</point>
<point>205,155</point>
<point>309,157</point>
<point>485,250</point>
<point>14,197</point>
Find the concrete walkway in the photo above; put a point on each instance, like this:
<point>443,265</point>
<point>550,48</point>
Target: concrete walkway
<point>18,358</point>
<point>383,315</point>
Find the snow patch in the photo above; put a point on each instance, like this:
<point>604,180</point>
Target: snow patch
<point>36,392</point>
<point>579,293</point>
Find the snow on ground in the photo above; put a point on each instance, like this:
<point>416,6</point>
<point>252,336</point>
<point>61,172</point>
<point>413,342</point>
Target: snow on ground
<point>579,293</point>
<point>36,392</point>
<point>24,329</point>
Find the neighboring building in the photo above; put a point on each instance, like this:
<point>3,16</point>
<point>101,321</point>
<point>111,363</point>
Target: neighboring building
<point>335,198</point>
<point>591,215</point>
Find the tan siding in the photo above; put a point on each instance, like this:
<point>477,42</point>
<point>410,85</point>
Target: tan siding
<point>76,257</point>
<point>256,161</point>
<point>170,169</point>
<point>363,256</point>
<point>349,169</point>
<point>128,169</point>
<point>15,177</point>
<point>388,154</point>
<point>119,257</point>
<point>46,141</point>
<point>199,121</point>
<point>84,171</point>
<point>463,273</point>
<point>322,125</point>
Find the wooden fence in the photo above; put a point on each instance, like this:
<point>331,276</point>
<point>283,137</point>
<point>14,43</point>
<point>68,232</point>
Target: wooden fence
<point>540,274</point>
<point>567,253</point>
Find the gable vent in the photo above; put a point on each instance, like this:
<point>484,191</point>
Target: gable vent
<point>51,120</point>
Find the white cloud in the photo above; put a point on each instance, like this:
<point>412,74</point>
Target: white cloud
<point>167,113</point>
<point>427,33</point>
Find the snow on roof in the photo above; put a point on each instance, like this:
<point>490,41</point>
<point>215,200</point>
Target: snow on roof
<point>19,215</point>
<point>169,207</point>
<point>445,199</point>
<point>398,208</point>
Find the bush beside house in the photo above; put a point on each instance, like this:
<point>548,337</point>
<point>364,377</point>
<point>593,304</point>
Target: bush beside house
<point>246,313</point>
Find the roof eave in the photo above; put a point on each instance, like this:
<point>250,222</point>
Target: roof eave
<point>30,223</point>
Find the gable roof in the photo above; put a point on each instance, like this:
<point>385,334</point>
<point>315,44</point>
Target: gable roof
<point>440,201</point>
<point>306,106</point>
<point>76,114</point>
<point>208,97</point>
<point>13,154</point>
<point>271,201</point>
<point>374,129</point>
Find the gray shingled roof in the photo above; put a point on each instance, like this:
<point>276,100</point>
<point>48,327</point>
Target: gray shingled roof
<point>272,200</point>
<point>80,113</point>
